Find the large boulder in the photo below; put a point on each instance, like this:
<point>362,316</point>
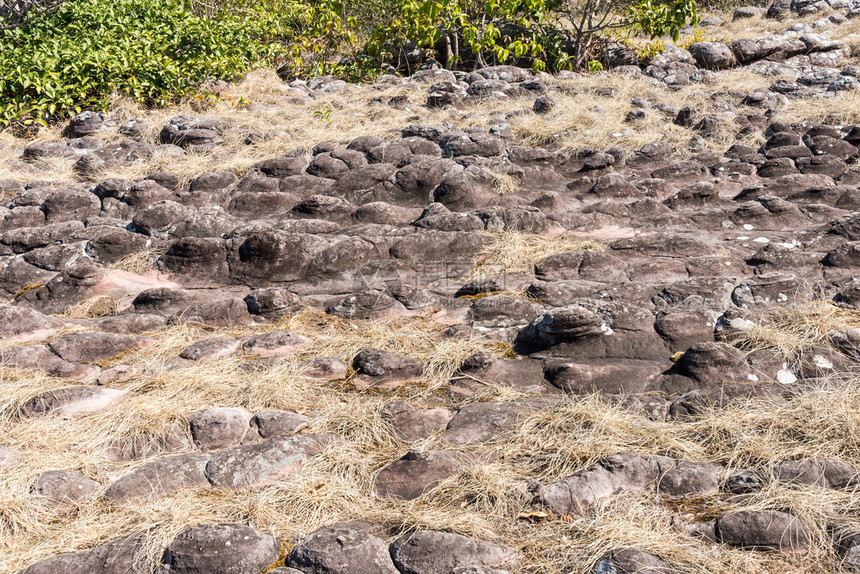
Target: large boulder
<point>190,132</point>
<point>219,427</point>
<point>623,472</point>
<point>271,257</point>
<point>415,473</point>
<point>411,423</point>
<point>481,422</point>
<point>93,346</point>
<point>210,349</point>
<point>277,344</point>
<point>826,472</point>
<point>62,487</point>
<point>198,261</point>
<point>72,402</point>
<point>88,123</point>
<point>384,369</point>
<point>632,561</point>
<point>631,472</point>
<point>272,422</point>
<point>712,363</point>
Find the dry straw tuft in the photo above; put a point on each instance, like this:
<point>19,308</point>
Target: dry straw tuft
<point>792,328</point>
<point>139,262</point>
<point>98,306</point>
<point>518,252</point>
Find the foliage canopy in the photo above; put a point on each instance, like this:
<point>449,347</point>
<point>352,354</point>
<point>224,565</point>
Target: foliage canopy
<point>82,53</point>
<point>151,50</point>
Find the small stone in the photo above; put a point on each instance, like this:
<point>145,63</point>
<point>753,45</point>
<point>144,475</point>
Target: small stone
<point>72,402</point>
<point>544,104</point>
<point>161,477</point>
<point>342,549</point>
<point>219,427</point>
<point>227,548</point>
<point>250,466</point>
<point>271,423</point>
<point>210,349</point>
<point>430,552</point>
<point>64,486</point>
<point>763,530</point>
<point>277,344</point>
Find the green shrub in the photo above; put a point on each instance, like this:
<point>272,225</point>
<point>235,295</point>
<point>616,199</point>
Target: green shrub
<point>545,34</point>
<point>153,51</point>
<point>371,14</point>
<point>150,50</point>
<point>488,31</point>
<point>311,35</point>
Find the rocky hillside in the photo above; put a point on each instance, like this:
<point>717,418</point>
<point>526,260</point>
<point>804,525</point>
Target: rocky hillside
<point>459,322</point>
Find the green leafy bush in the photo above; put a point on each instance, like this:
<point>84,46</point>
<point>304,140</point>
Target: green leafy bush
<point>312,36</point>
<point>488,31</point>
<point>87,51</point>
<point>368,15</point>
<point>153,51</point>
<point>150,50</point>
<point>545,34</point>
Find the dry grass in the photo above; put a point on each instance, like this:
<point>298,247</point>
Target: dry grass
<point>791,328</point>
<point>586,118</point>
<point>840,109</point>
<point>98,306</point>
<point>592,110</point>
<point>505,183</point>
<point>415,337</point>
<point>161,395</point>
<point>518,252</point>
<point>484,499</point>
<point>138,262</point>
<point>331,488</point>
<point>637,522</point>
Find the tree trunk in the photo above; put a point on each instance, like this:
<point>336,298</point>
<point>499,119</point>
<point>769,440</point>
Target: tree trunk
<point>446,50</point>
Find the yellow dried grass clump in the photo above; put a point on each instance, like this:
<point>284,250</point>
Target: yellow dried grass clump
<point>504,183</point>
<point>791,328</point>
<point>138,262</point>
<point>518,252</point>
<point>98,306</point>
